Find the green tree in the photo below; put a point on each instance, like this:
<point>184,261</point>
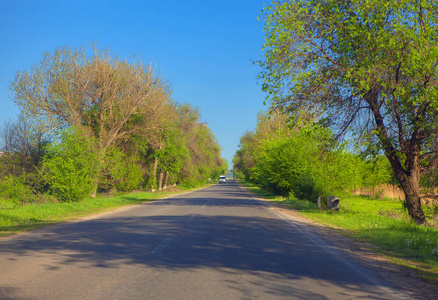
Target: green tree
<point>70,166</point>
<point>244,159</point>
<point>16,190</point>
<point>370,66</point>
<point>104,97</point>
<point>270,125</point>
<point>122,170</point>
<point>302,165</point>
<point>204,154</point>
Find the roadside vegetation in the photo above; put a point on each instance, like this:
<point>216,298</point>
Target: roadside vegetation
<point>94,125</point>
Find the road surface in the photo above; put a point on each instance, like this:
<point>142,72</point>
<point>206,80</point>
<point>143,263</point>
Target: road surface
<point>215,243</point>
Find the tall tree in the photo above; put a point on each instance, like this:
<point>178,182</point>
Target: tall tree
<point>203,160</point>
<point>272,125</point>
<point>370,66</point>
<point>101,96</point>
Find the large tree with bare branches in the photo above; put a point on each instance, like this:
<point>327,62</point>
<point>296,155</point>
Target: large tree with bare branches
<point>103,97</point>
<point>370,67</point>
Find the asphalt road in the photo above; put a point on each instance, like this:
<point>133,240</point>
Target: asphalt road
<point>214,243</point>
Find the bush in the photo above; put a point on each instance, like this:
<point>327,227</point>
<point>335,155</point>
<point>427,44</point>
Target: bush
<point>121,172</point>
<point>70,167</point>
<point>15,191</point>
<point>302,165</point>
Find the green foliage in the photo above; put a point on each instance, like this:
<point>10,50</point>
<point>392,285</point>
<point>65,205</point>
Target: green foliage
<point>175,154</point>
<point>303,166</point>
<point>376,170</point>
<point>71,166</point>
<point>244,159</point>
<point>122,172</point>
<point>14,191</point>
<point>202,159</point>
<point>367,66</point>
<point>300,160</point>
<point>127,128</point>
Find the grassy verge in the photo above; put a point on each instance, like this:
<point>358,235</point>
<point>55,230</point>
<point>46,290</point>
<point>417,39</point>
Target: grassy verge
<point>382,223</point>
<point>34,216</point>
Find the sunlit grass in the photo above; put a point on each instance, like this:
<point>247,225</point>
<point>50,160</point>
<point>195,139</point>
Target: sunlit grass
<point>383,223</point>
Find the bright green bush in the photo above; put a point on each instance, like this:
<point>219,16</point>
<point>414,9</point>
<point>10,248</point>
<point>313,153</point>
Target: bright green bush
<point>122,172</point>
<point>303,166</point>
<point>14,191</point>
<point>376,170</point>
<point>70,167</point>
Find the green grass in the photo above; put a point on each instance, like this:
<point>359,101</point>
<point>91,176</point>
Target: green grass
<point>382,223</point>
<point>34,216</point>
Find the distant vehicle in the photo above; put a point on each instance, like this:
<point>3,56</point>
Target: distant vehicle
<point>222,179</point>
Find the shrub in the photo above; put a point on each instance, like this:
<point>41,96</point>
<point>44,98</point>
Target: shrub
<point>70,166</point>
<point>121,172</point>
<point>302,165</point>
<point>15,191</point>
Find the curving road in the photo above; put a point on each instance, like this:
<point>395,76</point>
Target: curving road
<point>214,243</point>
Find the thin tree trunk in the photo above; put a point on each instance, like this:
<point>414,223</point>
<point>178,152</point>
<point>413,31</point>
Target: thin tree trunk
<point>154,172</point>
<point>160,182</point>
<point>166,180</point>
<point>95,186</point>
<point>96,180</point>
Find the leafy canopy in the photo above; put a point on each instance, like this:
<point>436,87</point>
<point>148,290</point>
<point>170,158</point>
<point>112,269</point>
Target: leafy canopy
<point>370,67</point>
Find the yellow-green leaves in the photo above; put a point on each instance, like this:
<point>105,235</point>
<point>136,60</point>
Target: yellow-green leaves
<point>372,64</point>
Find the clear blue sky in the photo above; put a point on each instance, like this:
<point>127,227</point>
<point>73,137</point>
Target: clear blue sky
<point>205,49</point>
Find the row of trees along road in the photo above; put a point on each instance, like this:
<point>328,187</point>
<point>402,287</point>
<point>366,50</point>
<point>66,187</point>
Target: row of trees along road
<point>104,124</point>
<point>300,160</point>
<point>369,68</point>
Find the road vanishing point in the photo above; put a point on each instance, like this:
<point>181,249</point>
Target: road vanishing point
<point>219,242</point>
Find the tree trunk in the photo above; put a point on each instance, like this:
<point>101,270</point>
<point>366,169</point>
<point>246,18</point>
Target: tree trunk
<point>154,172</point>
<point>160,182</point>
<point>95,186</point>
<point>166,180</point>
<point>408,172</point>
<point>23,162</point>
<point>97,179</point>
<point>411,188</point>
<point>409,179</point>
